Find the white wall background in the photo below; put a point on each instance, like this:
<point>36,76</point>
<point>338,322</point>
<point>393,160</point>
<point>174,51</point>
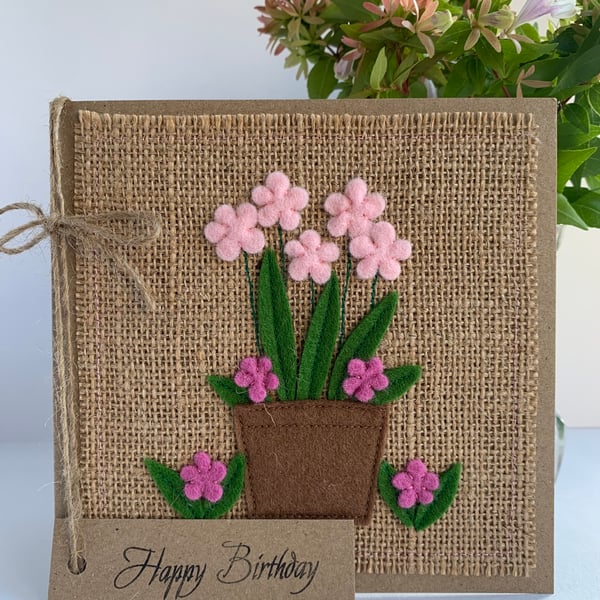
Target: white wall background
<point>180,49</point>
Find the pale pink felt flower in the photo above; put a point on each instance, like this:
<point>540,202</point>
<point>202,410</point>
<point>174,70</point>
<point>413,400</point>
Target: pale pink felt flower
<point>416,484</point>
<point>234,230</point>
<point>203,478</point>
<point>365,377</point>
<point>256,374</point>
<point>353,211</point>
<point>311,257</point>
<point>380,252</point>
<point>278,202</point>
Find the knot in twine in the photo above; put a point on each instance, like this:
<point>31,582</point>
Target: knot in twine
<point>91,233</point>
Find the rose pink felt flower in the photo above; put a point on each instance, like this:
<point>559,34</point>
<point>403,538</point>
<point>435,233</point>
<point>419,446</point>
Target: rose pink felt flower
<point>416,484</point>
<point>203,478</point>
<point>365,377</point>
<point>234,230</point>
<point>256,374</point>
<point>278,202</point>
<point>311,257</point>
<point>379,252</point>
<point>354,210</point>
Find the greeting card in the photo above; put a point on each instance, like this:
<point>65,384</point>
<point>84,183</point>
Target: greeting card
<point>311,310</point>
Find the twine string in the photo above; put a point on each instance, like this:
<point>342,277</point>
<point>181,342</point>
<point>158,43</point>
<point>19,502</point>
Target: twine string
<point>85,234</point>
<point>90,233</point>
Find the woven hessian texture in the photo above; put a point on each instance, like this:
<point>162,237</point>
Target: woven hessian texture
<point>461,187</point>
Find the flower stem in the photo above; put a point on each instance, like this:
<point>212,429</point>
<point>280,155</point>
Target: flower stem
<point>282,254</point>
<point>252,303</point>
<point>344,297</point>
<point>373,291</point>
<point>312,296</point>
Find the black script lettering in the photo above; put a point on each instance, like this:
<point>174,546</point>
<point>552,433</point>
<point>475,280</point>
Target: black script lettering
<point>311,573</point>
<point>185,578</point>
<point>239,567</point>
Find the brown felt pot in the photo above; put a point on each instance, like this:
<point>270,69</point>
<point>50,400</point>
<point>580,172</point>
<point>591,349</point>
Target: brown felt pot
<point>310,459</point>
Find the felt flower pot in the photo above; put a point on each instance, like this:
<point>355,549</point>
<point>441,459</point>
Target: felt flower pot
<point>311,459</point>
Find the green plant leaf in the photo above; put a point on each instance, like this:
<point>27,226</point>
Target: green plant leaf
<point>459,85</point>
<point>390,494</point>
<point>529,53</point>
<point>228,391</point>
<point>401,380</point>
<point>362,342</point>
<point>490,58</point>
<point>582,69</point>
<point>593,98</point>
<point>233,484</point>
<point>577,115</point>
<point>379,69</point>
<point>353,10</point>
<point>171,486</point>
<point>320,342</point>
<point>321,79</point>
<point>566,214</point>
<point>568,161</point>
<point>374,39</point>
<point>571,136</point>
<point>591,167</point>
<point>530,31</point>
<point>454,39</point>
<point>427,514</point>
<point>587,207</point>
<point>275,325</point>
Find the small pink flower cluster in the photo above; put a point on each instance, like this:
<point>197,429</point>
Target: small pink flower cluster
<point>353,213</point>
<point>256,374</point>
<point>365,378</point>
<point>235,229</point>
<point>203,478</point>
<point>416,484</point>
<point>373,244</point>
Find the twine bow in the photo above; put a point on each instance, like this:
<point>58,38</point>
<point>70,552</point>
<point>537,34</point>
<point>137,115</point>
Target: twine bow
<point>91,233</point>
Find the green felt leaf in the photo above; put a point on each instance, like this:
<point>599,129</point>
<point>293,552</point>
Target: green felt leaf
<point>390,494</point>
<point>171,485</point>
<point>275,325</point>
<point>228,391</point>
<point>568,161</point>
<point>321,79</point>
<point>233,484</point>
<point>566,214</point>
<point>379,69</point>
<point>420,516</point>
<point>320,343</point>
<point>401,380</point>
<point>427,514</point>
<point>362,342</point>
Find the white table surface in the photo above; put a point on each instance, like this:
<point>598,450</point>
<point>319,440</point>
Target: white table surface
<point>26,509</point>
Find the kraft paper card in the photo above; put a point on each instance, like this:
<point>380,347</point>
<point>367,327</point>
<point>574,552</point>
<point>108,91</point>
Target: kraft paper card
<point>329,310</point>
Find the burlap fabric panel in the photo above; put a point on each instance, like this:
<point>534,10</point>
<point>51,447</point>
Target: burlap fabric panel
<point>460,186</point>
